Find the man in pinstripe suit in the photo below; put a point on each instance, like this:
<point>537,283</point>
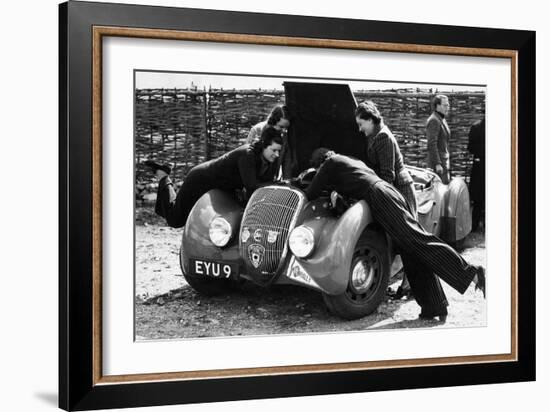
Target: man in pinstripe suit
<point>423,254</point>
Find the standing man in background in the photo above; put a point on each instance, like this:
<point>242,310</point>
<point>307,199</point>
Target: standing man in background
<point>476,146</point>
<point>438,135</point>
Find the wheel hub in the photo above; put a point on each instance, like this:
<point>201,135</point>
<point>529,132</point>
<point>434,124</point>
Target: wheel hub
<point>362,276</point>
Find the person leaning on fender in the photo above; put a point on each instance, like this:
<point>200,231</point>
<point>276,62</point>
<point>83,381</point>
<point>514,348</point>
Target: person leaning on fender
<point>245,167</point>
<point>424,255</point>
<point>438,135</point>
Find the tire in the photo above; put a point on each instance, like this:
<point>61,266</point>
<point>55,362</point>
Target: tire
<point>360,300</point>
<point>203,285</point>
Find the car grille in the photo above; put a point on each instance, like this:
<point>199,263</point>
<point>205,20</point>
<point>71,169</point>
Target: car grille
<point>269,217</point>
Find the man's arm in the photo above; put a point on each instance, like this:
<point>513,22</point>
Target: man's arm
<point>432,134</point>
<point>321,181</point>
<point>475,139</point>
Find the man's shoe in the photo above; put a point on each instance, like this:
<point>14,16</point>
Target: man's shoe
<point>430,314</point>
<point>404,292</point>
<point>400,293</point>
<point>480,282</point>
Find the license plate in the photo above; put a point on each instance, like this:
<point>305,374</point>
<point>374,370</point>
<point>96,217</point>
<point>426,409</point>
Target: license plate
<point>220,270</point>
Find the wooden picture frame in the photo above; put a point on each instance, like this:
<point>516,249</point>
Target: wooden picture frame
<point>83,26</point>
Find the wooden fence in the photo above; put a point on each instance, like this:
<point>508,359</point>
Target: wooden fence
<point>188,126</point>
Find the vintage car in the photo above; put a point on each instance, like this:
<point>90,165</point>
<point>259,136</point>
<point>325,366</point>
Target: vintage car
<point>279,237</point>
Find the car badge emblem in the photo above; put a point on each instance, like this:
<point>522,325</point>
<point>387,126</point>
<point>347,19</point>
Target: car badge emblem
<point>272,236</point>
<point>256,254</point>
<point>245,235</point>
<point>258,235</point>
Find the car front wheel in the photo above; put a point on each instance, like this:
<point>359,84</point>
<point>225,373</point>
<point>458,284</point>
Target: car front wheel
<point>368,280</point>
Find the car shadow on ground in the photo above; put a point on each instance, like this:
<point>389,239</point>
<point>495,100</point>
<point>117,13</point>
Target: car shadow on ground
<point>251,310</point>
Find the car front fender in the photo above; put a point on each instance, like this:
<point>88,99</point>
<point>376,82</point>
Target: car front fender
<point>196,240</point>
<point>335,240</point>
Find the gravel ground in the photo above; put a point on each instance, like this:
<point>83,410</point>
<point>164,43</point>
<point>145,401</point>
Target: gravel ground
<point>167,307</point>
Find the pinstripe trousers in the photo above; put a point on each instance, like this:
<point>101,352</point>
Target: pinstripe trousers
<point>407,190</point>
<point>424,255</point>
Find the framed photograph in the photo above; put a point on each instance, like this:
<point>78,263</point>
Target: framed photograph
<point>207,251</point>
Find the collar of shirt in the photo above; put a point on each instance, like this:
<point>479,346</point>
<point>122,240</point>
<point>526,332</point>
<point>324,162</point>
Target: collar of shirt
<point>376,129</point>
<point>440,114</point>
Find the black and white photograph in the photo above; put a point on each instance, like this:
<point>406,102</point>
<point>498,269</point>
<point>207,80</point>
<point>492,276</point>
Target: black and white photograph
<point>243,206</point>
<point>271,205</point>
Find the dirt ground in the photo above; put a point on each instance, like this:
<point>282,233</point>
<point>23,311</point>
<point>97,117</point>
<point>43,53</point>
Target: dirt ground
<point>167,307</point>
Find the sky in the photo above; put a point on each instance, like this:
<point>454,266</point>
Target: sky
<point>167,80</point>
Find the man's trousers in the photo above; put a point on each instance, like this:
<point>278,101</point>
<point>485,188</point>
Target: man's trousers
<point>424,255</point>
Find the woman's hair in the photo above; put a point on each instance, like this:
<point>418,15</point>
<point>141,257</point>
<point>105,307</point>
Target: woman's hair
<point>269,136</point>
<point>319,156</point>
<point>277,113</point>
<point>368,110</point>
<point>437,100</point>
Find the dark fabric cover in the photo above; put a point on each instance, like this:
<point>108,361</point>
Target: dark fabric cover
<point>322,115</point>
